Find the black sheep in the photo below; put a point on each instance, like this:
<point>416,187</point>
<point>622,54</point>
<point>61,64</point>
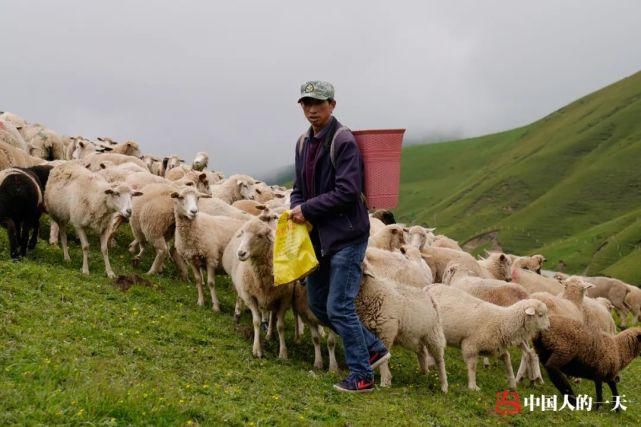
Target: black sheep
<point>21,204</point>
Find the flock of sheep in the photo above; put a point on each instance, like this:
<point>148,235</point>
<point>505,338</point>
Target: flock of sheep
<point>420,290</point>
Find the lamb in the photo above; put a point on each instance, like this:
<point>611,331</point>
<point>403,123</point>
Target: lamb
<point>249,258</point>
<point>397,267</point>
<point>375,225</point>
<point>439,258</point>
<point>21,204</point>
<point>478,327</point>
<point>402,315</point>
<point>389,238</point>
<point>10,135</point>
<point>201,239</point>
<point>77,196</point>
<point>236,187</point>
<point>201,161</point>
<point>301,309</point>
<point>572,348</point>
<point>533,282</point>
<point>613,289</point>
<point>633,300</point>
<point>11,156</point>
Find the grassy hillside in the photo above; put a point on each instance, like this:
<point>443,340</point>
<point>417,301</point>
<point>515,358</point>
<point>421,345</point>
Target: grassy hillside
<point>77,350</point>
<point>568,185</point>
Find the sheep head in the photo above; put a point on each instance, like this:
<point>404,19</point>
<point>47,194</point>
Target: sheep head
<point>118,199</point>
<point>534,315</point>
<point>256,240</point>
<point>186,202</point>
<point>417,236</point>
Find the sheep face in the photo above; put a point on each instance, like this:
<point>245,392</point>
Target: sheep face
<point>535,316</point>
<point>200,161</point>
<point>268,216</point>
<point>186,203</point>
<point>82,149</point>
<point>247,191</point>
<point>171,162</point>
<point>257,240</point>
<point>395,235</point>
<point>417,236</point>
<point>119,199</point>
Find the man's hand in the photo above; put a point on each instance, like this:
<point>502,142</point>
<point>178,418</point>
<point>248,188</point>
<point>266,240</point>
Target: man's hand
<point>297,215</point>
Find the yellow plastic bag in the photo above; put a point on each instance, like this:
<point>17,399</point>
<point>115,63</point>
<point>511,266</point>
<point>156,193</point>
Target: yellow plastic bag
<point>294,256</point>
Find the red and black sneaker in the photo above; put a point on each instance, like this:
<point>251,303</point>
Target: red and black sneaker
<point>378,357</point>
<point>353,384</point>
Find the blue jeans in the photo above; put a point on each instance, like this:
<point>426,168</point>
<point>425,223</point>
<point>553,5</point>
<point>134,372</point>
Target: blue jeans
<point>331,291</point>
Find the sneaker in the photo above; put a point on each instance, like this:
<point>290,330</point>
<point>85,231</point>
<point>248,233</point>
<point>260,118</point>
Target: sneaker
<point>378,357</point>
<point>352,384</point>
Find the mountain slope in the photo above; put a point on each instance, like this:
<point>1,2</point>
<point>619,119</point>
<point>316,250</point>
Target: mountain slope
<point>544,187</point>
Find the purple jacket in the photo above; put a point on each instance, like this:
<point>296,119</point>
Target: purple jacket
<point>334,205</point>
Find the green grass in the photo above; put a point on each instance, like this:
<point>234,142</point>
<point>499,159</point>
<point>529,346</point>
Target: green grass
<point>78,350</point>
<point>565,185</point>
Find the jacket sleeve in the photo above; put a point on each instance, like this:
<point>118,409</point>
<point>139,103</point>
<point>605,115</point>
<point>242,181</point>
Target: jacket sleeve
<point>347,184</point>
<point>296,197</point>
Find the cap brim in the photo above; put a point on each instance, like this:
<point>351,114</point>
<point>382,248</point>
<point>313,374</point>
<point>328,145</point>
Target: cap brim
<point>309,95</point>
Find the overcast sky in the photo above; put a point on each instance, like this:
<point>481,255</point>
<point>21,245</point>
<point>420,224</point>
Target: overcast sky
<point>224,77</point>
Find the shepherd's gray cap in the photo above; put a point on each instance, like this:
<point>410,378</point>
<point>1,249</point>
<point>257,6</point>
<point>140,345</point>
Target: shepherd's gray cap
<point>316,89</point>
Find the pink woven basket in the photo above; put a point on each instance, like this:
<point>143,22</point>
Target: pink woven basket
<point>381,151</point>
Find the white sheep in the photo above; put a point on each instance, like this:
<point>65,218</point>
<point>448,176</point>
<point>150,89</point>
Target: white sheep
<point>420,236</point>
<point>479,327</point>
<point>201,239</point>
<point>236,187</point>
<point>396,266</point>
<point>390,237</point>
<point>11,156</point>
<point>93,161</point>
<point>201,161</point>
<point>402,315</point>
<point>533,282</point>
<point>439,258</point>
<point>77,196</point>
<point>248,257</point>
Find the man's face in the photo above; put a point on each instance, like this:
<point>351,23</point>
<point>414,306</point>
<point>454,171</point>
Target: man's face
<point>317,112</point>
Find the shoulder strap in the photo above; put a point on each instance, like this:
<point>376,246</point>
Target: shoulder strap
<point>332,156</point>
<point>301,140</point>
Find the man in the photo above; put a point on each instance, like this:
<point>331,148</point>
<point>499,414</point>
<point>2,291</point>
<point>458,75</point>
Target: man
<point>327,193</point>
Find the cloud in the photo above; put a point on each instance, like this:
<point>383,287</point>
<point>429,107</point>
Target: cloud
<point>181,77</point>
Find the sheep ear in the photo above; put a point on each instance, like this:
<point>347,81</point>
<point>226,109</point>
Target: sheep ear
<point>403,250</point>
<point>107,149</point>
<point>258,191</point>
<point>394,231</point>
<point>588,285</point>
<point>109,191</point>
<point>261,207</point>
<point>174,195</point>
<point>405,229</point>
<point>502,257</point>
<point>136,193</point>
<point>103,166</point>
<point>202,177</point>
<point>530,311</point>
<point>81,144</point>
<point>367,269</point>
<point>204,196</point>
<point>279,196</point>
<point>239,182</point>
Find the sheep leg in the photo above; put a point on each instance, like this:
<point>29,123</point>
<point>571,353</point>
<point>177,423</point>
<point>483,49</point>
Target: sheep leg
<point>523,366</point>
<point>511,382</point>
<point>439,355</point>
<point>535,376</point>
<point>421,356</point>
<point>199,283</point>
<point>161,252</point>
<point>270,325</point>
<point>387,336</point>
<point>180,263</point>
<point>256,350</point>
<point>116,222</point>
<point>34,235</point>
<point>558,379</point>
<point>104,248</point>
<point>24,238</point>
<point>318,355</point>
<point>13,237</point>
<point>470,357</point>
<point>331,348</point>
<point>598,385</point>
<point>133,246</point>
<point>238,309</point>
<point>54,231</point>
<point>63,243</point>
<point>84,244</point>
<point>486,362</point>
<point>211,282</point>
<point>280,328</point>
<point>613,388</point>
